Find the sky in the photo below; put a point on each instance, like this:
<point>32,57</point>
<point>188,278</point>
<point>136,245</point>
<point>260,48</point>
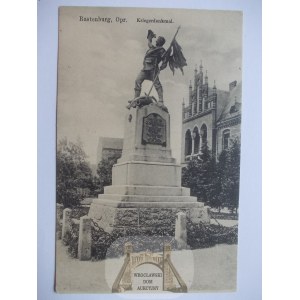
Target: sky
<point>98,63</point>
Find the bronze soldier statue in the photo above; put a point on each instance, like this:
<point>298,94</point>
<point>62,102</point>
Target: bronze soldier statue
<point>153,57</point>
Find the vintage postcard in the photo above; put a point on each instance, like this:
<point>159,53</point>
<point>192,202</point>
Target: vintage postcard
<point>149,107</point>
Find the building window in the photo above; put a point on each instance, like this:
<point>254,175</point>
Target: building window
<point>203,135</point>
<point>226,137</point>
<point>200,105</point>
<point>195,105</point>
<point>188,143</point>
<point>196,137</point>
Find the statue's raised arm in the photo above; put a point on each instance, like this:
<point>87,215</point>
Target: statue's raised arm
<point>150,69</point>
<point>150,36</point>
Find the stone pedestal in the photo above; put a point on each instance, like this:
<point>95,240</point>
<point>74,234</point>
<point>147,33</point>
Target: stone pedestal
<point>146,181</point>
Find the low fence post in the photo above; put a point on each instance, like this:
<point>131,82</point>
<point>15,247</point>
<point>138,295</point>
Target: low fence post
<point>59,214</point>
<point>85,238</point>
<point>66,222</point>
<point>180,230</point>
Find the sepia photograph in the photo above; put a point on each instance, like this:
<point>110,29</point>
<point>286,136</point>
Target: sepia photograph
<point>148,150</point>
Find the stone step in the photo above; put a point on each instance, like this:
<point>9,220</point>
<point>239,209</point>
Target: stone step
<point>136,205</point>
<point>146,190</point>
<point>146,198</point>
<point>157,157</point>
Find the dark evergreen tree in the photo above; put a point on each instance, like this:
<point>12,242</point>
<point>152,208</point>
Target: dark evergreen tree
<point>225,187</point>
<point>216,193</point>
<point>199,175</point>
<point>231,179</point>
<point>216,184</point>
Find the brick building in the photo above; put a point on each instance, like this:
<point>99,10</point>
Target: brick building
<point>211,117</point>
<point>109,147</point>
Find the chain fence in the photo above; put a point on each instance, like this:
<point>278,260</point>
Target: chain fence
<point>110,245</point>
<point>106,244</point>
<point>203,235</point>
<point>224,216</point>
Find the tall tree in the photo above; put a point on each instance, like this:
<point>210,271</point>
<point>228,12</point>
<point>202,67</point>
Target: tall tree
<point>225,187</point>
<point>231,179</point>
<point>216,184</point>
<point>73,174</point>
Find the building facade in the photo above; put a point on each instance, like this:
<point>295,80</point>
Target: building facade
<point>211,118</point>
<point>109,148</point>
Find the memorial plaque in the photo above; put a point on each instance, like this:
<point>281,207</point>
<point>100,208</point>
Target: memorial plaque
<point>154,130</point>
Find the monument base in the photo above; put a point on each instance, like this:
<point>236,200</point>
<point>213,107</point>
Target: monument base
<point>146,190</point>
<point>145,207</point>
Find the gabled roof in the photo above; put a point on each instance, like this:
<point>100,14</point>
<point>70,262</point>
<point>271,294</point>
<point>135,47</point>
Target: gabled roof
<point>222,101</point>
<point>233,104</point>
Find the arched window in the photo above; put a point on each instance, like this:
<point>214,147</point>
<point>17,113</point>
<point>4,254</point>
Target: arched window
<point>203,135</point>
<point>196,137</point>
<point>188,143</point>
<point>225,139</point>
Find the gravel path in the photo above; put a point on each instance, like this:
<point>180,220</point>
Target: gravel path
<point>203,270</point>
<point>75,276</point>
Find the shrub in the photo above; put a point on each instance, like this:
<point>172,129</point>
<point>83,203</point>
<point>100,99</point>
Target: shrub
<point>71,239</point>
<point>111,245</point>
<point>203,236</point>
<point>79,212</point>
<point>106,245</point>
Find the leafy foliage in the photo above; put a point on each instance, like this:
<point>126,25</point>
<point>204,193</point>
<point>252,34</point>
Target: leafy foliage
<point>74,175</point>
<point>216,184</point>
<point>225,186</point>
<point>105,245</point>
<point>71,239</point>
<point>101,241</point>
<point>203,236</point>
<point>199,174</point>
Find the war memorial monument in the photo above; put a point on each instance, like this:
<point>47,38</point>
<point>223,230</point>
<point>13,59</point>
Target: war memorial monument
<point>146,181</point>
<point>130,220</point>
